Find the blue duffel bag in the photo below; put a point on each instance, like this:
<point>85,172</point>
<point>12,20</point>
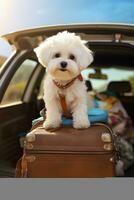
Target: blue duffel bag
<point>94,114</point>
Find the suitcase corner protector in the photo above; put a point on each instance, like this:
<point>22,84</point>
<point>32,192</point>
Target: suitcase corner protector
<point>30,158</point>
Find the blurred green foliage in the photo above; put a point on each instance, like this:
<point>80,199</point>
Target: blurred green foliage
<point>131,80</point>
<point>2,60</point>
<point>19,81</point>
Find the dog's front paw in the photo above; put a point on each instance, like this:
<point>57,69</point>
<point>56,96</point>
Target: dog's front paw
<point>51,125</point>
<point>30,137</point>
<point>81,125</point>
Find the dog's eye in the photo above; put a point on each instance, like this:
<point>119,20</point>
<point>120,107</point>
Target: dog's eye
<point>72,57</point>
<point>57,55</point>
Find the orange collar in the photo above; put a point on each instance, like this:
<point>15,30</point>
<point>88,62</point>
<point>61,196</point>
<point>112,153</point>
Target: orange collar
<point>59,85</point>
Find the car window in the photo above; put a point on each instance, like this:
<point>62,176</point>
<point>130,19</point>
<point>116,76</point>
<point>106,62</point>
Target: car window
<point>41,90</point>
<point>2,60</point>
<point>18,83</point>
<point>113,74</point>
<point>5,51</point>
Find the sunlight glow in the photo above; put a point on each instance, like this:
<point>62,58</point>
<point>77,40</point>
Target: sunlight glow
<point>6,7</point>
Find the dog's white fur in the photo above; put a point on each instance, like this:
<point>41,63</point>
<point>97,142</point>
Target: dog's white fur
<point>64,44</point>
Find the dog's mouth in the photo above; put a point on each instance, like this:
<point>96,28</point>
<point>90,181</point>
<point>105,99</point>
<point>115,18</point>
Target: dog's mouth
<point>63,70</point>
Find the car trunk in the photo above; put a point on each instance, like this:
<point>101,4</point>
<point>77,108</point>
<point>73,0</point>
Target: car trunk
<point>112,45</point>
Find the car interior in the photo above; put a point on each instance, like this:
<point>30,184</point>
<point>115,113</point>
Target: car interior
<point>26,100</point>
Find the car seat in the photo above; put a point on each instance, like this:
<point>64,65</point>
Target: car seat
<point>122,88</point>
<point>124,92</point>
<point>89,85</point>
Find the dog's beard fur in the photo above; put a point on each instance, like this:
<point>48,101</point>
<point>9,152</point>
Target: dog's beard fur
<point>54,69</point>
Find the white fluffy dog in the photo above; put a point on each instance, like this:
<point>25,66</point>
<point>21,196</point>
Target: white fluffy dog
<point>64,55</point>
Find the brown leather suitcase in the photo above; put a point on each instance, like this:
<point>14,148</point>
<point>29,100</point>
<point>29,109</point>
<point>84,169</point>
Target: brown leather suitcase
<point>70,153</point>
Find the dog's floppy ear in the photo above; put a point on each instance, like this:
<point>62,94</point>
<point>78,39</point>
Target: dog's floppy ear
<point>43,53</point>
<point>86,57</point>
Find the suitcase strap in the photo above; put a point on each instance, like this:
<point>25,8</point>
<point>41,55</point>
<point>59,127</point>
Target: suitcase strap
<point>21,168</point>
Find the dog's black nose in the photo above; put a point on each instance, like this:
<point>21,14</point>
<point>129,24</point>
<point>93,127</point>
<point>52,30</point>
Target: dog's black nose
<point>63,64</point>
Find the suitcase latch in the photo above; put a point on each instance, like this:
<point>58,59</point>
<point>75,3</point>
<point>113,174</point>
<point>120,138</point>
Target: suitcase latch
<point>106,137</point>
<point>108,147</point>
<point>28,145</point>
<point>30,158</point>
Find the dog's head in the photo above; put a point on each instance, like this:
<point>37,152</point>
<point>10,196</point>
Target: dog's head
<point>64,55</point>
